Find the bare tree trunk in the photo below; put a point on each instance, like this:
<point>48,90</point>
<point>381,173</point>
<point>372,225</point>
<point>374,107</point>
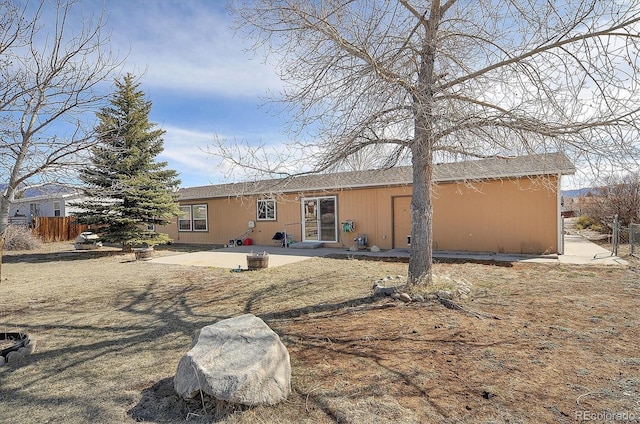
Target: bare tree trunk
<point>1,253</point>
<point>422,147</point>
<point>4,222</point>
<point>420,260</point>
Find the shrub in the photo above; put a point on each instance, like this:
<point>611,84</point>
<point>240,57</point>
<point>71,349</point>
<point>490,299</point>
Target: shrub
<point>17,237</point>
<point>583,222</point>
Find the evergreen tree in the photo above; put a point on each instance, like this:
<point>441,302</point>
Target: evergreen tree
<point>128,191</point>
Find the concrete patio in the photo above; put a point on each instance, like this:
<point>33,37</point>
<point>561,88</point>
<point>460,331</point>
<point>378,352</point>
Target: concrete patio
<point>578,250</point>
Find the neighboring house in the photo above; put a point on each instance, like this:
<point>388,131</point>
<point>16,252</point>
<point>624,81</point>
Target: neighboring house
<point>39,204</point>
<point>489,205</point>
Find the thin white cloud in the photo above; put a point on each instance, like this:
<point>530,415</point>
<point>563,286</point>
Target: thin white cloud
<point>188,46</point>
<point>188,152</point>
<point>184,150</point>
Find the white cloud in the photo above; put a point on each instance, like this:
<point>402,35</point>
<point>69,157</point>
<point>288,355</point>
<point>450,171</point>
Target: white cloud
<point>185,152</point>
<point>187,46</point>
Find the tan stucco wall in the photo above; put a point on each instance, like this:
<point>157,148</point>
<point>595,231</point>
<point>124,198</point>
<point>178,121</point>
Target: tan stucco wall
<point>511,216</point>
<point>508,216</point>
<point>229,218</point>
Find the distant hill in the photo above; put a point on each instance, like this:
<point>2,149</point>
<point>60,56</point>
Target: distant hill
<point>577,192</point>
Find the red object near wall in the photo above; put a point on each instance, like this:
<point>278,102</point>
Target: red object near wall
<point>247,242</point>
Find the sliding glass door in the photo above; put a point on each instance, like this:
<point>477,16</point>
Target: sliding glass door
<point>319,219</point>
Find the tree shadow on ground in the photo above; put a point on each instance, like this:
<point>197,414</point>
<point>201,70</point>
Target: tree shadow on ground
<point>160,403</point>
<point>164,312</point>
<point>164,317</point>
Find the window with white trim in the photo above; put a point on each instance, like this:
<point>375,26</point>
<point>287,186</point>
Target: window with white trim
<point>34,209</point>
<point>199,213</point>
<point>184,220</point>
<point>193,218</point>
<point>266,210</point>
<point>56,208</point>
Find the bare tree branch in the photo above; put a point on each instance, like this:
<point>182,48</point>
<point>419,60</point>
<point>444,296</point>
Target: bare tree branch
<point>50,67</point>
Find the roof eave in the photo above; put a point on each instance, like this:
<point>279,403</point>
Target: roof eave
<point>565,171</point>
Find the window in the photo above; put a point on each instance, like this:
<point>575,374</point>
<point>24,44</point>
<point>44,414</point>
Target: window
<point>184,220</point>
<point>193,218</point>
<point>266,210</point>
<point>56,208</point>
<point>34,209</point>
<point>199,217</point>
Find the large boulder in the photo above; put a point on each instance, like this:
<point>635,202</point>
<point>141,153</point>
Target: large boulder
<point>239,360</point>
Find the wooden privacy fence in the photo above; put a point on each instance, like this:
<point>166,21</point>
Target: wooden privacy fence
<point>59,228</point>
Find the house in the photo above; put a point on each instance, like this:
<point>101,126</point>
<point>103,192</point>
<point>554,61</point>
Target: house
<point>43,203</point>
<point>490,205</point>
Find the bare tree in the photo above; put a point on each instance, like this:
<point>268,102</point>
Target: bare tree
<point>49,70</point>
<point>449,80</point>
<point>618,195</point>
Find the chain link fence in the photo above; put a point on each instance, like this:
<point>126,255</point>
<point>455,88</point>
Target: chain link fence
<point>625,241</point>
<point>634,240</point>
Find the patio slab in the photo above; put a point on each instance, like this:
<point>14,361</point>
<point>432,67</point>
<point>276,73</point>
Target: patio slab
<point>224,259</point>
<point>578,250</point>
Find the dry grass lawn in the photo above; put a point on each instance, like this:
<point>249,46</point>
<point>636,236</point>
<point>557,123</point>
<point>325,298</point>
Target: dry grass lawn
<point>110,332</point>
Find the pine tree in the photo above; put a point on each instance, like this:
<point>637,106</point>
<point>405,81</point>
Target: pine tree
<point>128,191</point>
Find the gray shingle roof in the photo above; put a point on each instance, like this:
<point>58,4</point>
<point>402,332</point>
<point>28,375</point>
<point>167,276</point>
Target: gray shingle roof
<point>492,168</point>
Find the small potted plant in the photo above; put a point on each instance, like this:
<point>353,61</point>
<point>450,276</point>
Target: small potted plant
<point>145,251</point>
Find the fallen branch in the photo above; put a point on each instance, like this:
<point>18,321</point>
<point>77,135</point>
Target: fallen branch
<point>449,304</point>
<point>371,307</point>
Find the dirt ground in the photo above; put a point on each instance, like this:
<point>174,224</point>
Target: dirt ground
<point>554,344</point>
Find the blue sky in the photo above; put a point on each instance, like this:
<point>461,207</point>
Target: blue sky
<point>198,75</point>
